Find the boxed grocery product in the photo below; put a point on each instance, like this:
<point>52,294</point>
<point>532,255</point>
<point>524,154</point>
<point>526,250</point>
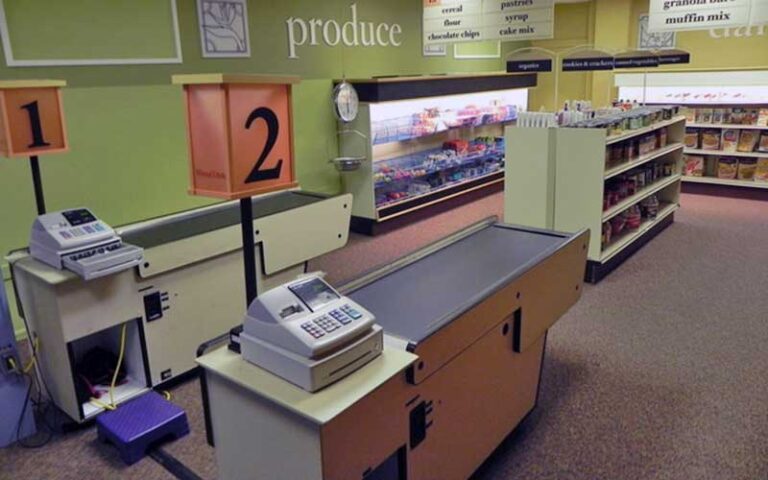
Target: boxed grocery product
<point>730,139</point>
<point>737,115</point>
<point>727,168</point>
<point>694,166</point>
<point>689,113</point>
<point>710,140</point>
<point>762,117</point>
<point>763,145</point>
<point>650,207</point>
<point>691,138</point>
<point>717,115</point>
<point>748,140</point>
<point>458,146</point>
<point>747,167</point>
<point>704,115</point>
<point>750,117</point>
<point>761,172</point>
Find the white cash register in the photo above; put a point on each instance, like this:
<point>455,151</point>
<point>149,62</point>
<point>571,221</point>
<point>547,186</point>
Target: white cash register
<point>80,242</point>
<point>307,333</point>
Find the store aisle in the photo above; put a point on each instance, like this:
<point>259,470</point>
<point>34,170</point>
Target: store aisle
<point>658,373</point>
<point>661,371</point>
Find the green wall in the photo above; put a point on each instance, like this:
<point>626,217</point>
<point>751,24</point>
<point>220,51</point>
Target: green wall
<point>128,154</point>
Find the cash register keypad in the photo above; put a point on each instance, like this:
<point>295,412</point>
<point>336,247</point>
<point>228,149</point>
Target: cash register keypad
<point>331,322</point>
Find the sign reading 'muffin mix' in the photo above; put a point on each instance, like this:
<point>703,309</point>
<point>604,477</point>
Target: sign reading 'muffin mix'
<point>680,15</point>
<point>451,21</point>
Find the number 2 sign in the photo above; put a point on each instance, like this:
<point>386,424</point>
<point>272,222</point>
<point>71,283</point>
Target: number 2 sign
<point>31,118</point>
<point>240,135</point>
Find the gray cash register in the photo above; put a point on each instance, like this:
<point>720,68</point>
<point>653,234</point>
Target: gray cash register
<point>307,333</point>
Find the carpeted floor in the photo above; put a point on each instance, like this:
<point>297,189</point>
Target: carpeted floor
<point>660,372</point>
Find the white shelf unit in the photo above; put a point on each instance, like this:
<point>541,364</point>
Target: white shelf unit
<point>722,153</point>
<point>726,125</point>
<point>556,177</point>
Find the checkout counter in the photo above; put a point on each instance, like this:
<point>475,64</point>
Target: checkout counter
<point>186,290</point>
<point>465,322</point>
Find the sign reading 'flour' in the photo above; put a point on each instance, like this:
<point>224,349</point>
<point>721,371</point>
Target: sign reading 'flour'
<point>450,21</point>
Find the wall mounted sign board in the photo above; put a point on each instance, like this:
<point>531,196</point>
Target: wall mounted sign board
<point>526,66</point>
<point>587,64</point>
<point>31,118</point>
<point>452,21</point>
<point>680,15</point>
<point>239,134</point>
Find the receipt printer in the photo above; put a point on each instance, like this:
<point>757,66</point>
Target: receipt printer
<point>307,333</point>
<point>80,242</point>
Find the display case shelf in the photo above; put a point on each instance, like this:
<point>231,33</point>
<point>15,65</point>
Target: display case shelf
<point>640,196</point>
<point>721,153</point>
<point>726,181</point>
<point>627,238</point>
<point>624,167</point>
<point>641,131</point>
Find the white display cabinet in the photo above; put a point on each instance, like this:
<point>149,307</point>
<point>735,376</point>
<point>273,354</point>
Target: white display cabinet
<point>426,140</point>
<point>560,178</point>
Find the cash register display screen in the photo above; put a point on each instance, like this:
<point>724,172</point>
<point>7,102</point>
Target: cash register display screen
<point>314,293</point>
<point>78,217</point>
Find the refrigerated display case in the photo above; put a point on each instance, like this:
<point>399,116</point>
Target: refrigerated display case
<point>426,140</point>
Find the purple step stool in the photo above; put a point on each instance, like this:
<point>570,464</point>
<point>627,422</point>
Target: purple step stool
<point>139,423</point>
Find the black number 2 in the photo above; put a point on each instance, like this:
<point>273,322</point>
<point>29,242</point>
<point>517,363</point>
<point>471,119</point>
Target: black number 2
<point>273,128</point>
<point>34,121</point>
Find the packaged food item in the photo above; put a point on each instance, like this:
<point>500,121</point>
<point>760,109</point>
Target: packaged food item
<point>763,145</point>
<point>737,115</point>
<point>663,137</point>
<point>748,140</point>
<point>750,116</point>
<point>617,224</point>
<point>458,146</point>
<point>717,115</point>
<point>694,166</point>
<point>691,138</point>
<point>606,238</point>
<point>650,207</point>
<point>762,117</point>
<point>727,168</point>
<point>730,139</point>
<point>710,140</point>
<point>747,167</point>
<point>703,115</point>
<point>761,172</point>
<point>689,113</point>
<point>667,169</point>
<point>633,217</point>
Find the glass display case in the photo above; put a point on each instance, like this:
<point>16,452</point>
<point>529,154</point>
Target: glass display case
<point>420,151</point>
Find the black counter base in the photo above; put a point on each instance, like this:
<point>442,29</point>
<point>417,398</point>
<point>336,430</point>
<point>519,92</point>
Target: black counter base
<point>472,191</point>
<point>596,271</point>
<point>729,191</point>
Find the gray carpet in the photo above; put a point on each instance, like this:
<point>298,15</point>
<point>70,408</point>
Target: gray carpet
<point>660,372</point>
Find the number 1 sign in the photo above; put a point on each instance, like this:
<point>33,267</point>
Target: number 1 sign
<point>240,136</point>
<point>31,118</point>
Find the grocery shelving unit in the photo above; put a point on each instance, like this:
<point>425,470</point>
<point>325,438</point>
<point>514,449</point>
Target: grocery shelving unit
<point>563,175</point>
<point>402,128</point>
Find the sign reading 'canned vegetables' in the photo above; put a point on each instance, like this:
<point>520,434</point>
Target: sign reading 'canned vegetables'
<point>678,15</point>
<point>451,21</point>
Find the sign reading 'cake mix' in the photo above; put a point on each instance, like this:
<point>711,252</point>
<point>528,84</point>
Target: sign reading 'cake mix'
<point>451,21</point>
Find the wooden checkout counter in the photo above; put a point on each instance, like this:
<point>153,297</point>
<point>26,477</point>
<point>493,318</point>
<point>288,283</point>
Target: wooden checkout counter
<point>466,321</point>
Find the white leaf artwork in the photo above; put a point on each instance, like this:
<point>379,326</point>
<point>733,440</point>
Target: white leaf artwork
<point>223,28</point>
<point>653,41</point>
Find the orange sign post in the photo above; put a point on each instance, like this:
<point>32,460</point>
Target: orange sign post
<point>240,140</point>
<point>31,123</point>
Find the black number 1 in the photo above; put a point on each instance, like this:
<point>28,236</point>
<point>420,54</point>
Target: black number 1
<point>34,121</point>
<point>273,127</point>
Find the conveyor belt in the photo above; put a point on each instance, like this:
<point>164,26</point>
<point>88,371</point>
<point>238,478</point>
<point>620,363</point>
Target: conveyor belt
<point>187,224</point>
<point>414,301</point>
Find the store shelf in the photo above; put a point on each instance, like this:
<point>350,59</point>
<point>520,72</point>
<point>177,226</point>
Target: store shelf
<point>612,172</point>
<point>490,154</point>
<point>445,186</point>
<point>724,181</point>
<point>641,131</point>
<point>721,153</point>
<point>639,196</point>
<point>129,389</point>
<point>726,125</point>
<point>626,239</point>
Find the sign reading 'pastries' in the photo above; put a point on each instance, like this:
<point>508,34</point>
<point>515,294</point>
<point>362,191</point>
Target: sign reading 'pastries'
<point>679,15</point>
<point>451,21</point>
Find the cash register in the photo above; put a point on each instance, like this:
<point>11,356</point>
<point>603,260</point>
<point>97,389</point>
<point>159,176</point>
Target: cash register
<point>307,333</point>
<point>78,241</point>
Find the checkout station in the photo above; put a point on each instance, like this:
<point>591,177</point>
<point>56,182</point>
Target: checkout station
<point>173,282</point>
<point>314,394</point>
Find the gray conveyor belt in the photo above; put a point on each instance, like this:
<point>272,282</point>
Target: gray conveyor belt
<point>416,300</point>
<point>196,222</point>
